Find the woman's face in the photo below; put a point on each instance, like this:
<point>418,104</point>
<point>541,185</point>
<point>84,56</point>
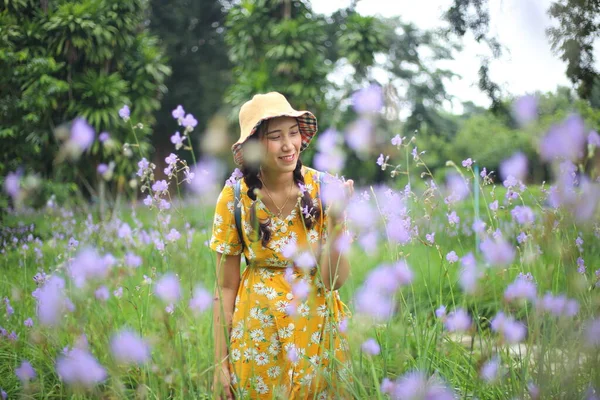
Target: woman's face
<point>282,142</point>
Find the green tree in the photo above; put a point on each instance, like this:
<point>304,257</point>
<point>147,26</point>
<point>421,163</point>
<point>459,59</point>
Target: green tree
<point>192,33</point>
<point>572,38</point>
<point>64,59</point>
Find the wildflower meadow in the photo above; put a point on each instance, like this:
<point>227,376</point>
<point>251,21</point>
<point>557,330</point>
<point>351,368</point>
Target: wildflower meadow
<point>476,285</point>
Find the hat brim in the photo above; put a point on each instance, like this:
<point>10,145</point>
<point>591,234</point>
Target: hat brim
<point>307,124</point>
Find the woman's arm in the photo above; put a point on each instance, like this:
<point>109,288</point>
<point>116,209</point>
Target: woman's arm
<point>228,281</point>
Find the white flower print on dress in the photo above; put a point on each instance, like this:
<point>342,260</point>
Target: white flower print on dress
<point>274,372</point>
<point>322,310</point>
<point>257,335</point>
<point>282,305</point>
<point>286,332</point>
<point>261,359</point>
<point>313,236</point>
<point>250,353</point>
<point>235,354</point>
<point>303,309</point>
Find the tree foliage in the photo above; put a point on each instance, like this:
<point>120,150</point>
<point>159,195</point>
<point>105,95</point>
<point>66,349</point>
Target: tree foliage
<point>64,59</point>
<point>572,38</point>
<point>192,33</point>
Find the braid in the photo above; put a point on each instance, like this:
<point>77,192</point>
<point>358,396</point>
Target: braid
<point>306,202</point>
<point>251,179</point>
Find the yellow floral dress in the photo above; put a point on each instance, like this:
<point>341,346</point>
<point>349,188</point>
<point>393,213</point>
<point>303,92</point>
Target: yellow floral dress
<point>281,347</point>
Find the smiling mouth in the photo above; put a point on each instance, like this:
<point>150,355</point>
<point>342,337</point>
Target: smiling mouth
<point>288,158</point>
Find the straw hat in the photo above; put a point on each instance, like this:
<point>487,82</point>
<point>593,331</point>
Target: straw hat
<point>267,106</point>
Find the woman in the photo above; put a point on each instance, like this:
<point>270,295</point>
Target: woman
<point>277,326</point>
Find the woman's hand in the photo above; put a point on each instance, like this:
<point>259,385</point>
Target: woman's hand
<point>222,382</point>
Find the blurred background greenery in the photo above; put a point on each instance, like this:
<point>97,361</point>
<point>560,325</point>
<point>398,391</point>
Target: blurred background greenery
<point>64,59</point>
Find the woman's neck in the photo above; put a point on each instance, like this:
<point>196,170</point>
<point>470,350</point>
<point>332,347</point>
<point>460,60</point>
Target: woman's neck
<point>276,182</point>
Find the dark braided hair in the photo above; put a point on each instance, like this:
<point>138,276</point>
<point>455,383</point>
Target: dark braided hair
<point>251,173</point>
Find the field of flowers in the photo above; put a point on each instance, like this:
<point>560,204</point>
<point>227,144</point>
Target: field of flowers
<point>475,287</point>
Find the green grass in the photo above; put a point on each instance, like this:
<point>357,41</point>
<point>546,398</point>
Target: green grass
<point>414,338</point>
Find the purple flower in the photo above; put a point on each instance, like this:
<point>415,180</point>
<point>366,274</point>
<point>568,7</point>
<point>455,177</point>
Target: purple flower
<point>102,168</point>
<point>201,301</point>
<point>453,219</point>
<point>371,302</point>
<point>370,346</point>
<point>160,186</point>
<point>380,160</point>
<point>327,140</point>
<point>305,260</point>
<point>25,372</point>
<point>512,331</point>
<point>171,159</point>
<point>301,289</point>
<point>164,205</point>
<point>87,265</point>
<point>415,385</point>
<point>452,257</point>
<point>468,163</point>
<point>178,113</point>
<point>593,139</point>
<point>11,184</point>
<point>343,326</point>
<point>521,288</point>
<point>3,394</point>
<point>173,235</point>
<point>457,189</point>
<point>565,140</point>
<point>168,289</point>
<point>124,112</point>
<point>397,140</point>
<point>177,140</point>
<point>458,321</point>
<point>82,134</point>
<point>580,265</point>
<point>558,305</point>
<point>523,215</point>
<point>525,109</point>
<point>9,310</point>
<point>102,293</point>
<point>497,251</point>
<point>103,137</point>
<point>132,260</point>
<point>118,292</point>
<point>592,333</point>
<point>430,237</point>
<point>79,367</point>
<point>490,371</point>
<point>235,176</point>
<point>207,176</point>
<point>469,274</point>
<point>28,323</point>
<point>189,122</point>
<point>533,390</point>
<point>332,160</point>
<point>368,100</point>
<point>579,243</point>
<point>292,354</point>
<point>128,347</point>
<point>441,311</point>
<point>143,165</point>
<point>494,205</point>
<point>359,135</point>
<point>188,176</point>
<point>51,301</point>
<point>515,166</point>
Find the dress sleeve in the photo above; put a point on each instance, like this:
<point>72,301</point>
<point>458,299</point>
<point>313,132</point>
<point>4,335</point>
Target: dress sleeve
<point>225,238</point>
